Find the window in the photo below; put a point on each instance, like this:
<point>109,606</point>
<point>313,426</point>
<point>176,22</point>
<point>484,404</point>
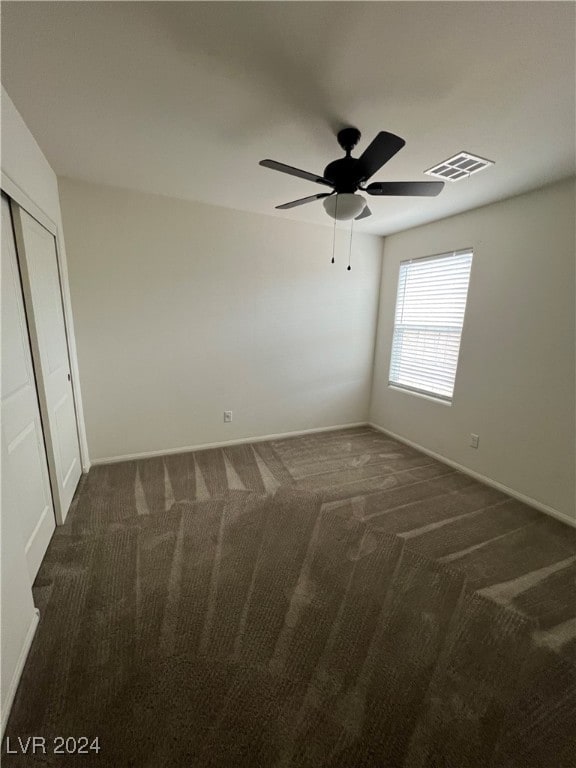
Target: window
<point>428,323</point>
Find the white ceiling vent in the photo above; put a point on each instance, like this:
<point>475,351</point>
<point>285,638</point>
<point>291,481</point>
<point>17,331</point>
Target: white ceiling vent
<point>459,167</point>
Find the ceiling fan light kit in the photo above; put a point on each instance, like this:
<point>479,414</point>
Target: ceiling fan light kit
<point>344,206</point>
<point>348,174</point>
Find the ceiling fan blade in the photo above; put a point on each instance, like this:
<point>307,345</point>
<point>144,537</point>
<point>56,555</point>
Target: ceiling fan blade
<point>365,213</point>
<point>420,188</point>
<point>304,200</point>
<point>275,166</point>
<point>383,147</point>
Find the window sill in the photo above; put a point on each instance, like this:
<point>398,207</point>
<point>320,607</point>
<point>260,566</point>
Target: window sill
<point>407,391</point>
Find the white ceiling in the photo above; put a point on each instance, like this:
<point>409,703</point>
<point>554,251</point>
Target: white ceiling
<point>184,99</point>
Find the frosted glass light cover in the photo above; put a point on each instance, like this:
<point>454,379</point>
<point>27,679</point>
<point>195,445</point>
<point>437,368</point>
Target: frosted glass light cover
<point>344,206</point>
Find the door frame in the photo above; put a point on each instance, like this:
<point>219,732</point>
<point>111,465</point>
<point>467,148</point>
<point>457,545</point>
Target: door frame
<point>18,196</point>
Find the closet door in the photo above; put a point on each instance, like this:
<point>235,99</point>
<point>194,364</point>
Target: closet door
<point>22,438</point>
<point>41,284</point>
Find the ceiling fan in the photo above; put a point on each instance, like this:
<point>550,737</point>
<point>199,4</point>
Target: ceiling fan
<point>349,174</point>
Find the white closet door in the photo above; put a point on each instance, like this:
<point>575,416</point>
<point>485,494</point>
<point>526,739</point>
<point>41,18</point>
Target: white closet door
<point>41,284</point>
<point>22,438</point>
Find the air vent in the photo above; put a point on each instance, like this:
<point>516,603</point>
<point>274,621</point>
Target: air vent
<point>459,167</point>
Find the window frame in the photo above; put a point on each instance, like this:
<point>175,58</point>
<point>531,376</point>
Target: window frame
<point>406,388</point>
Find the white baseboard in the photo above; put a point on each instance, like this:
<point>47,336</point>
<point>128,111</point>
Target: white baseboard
<point>224,443</point>
<point>482,478</point>
<point>13,687</point>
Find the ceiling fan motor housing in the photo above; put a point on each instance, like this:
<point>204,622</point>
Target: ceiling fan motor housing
<point>345,174</point>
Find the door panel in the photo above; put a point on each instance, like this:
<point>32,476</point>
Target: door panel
<point>39,267</point>
<point>28,460</point>
<point>22,437</point>
<point>65,417</point>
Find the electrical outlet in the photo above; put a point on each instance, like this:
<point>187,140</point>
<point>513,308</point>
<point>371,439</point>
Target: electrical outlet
<point>227,416</point>
<point>474,440</point>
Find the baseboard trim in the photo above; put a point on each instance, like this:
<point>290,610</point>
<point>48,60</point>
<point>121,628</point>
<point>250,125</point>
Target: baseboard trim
<point>482,478</point>
<point>7,705</point>
<point>224,443</point>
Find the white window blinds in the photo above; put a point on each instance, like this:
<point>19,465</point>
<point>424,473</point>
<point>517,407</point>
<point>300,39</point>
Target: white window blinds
<point>428,323</point>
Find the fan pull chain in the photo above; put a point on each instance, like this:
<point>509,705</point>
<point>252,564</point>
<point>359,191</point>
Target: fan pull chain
<point>334,235</point>
<point>350,247</point>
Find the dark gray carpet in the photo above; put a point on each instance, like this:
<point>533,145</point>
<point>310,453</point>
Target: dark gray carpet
<point>335,600</point>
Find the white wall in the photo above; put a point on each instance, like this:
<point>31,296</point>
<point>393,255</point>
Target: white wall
<point>515,383</point>
<point>183,310</point>
<point>24,162</point>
